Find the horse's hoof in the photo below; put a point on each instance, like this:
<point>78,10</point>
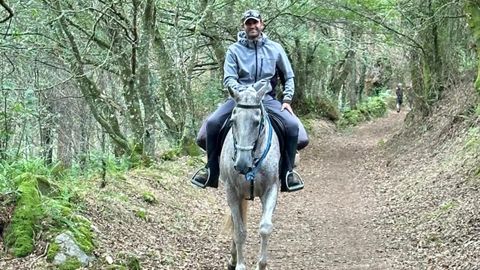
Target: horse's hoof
<point>231,267</point>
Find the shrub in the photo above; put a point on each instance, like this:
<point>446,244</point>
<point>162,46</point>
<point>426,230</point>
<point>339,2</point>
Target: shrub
<point>373,107</point>
<point>320,106</point>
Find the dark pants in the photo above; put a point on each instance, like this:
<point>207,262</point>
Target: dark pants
<point>216,120</point>
<point>399,100</point>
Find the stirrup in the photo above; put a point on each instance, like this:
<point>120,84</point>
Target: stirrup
<point>195,183</point>
<point>299,186</point>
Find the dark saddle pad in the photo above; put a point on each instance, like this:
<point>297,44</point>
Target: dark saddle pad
<point>277,125</point>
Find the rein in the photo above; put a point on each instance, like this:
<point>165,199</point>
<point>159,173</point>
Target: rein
<point>250,176</point>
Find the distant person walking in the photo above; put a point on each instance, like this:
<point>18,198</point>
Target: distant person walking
<point>399,92</point>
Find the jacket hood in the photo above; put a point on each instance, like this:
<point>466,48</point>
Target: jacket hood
<point>242,39</point>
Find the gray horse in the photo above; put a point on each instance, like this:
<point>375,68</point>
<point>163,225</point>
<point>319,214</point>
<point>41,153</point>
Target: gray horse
<point>249,168</point>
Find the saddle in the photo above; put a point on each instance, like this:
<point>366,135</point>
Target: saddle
<point>277,124</point>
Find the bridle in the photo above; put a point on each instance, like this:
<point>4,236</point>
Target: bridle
<point>250,176</point>
<point>252,148</point>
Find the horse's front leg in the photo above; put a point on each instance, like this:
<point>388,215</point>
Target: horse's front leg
<point>238,207</point>
<point>233,256</point>
<point>269,201</point>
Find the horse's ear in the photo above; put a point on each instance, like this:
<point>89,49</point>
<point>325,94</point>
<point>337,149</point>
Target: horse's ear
<point>232,92</point>
<point>265,89</point>
<point>258,85</point>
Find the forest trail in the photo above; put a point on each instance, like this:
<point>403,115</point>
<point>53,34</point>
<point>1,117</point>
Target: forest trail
<point>331,223</point>
<point>334,223</point>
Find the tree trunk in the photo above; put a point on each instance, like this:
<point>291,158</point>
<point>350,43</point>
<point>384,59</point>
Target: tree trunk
<point>360,87</point>
<point>45,123</point>
<point>340,72</point>
<point>169,91</point>
<point>5,128</point>
<point>431,59</point>
<point>472,9</point>
<point>130,93</point>
<point>300,75</point>
<point>351,89</point>
<point>188,133</point>
<point>144,85</point>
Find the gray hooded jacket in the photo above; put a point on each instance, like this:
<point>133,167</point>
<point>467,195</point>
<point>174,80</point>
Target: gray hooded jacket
<point>247,62</point>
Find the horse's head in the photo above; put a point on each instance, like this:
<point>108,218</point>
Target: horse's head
<point>247,123</point>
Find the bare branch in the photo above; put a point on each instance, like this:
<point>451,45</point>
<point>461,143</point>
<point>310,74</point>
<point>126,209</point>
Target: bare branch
<point>413,41</point>
<point>29,34</point>
<point>8,9</point>
<point>11,63</point>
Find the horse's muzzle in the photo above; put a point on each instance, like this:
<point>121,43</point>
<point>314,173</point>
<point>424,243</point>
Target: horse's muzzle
<point>243,165</point>
<point>243,170</point>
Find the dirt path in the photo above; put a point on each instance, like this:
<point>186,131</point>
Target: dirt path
<point>331,224</point>
<point>334,223</point>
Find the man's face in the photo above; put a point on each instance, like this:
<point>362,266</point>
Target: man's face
<point>253,28</point>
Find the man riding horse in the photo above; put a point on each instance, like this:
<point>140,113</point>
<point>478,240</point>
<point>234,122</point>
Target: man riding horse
<point>254,58</point>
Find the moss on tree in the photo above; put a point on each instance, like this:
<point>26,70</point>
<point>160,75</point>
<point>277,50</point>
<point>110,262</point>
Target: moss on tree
<point>19,236</point>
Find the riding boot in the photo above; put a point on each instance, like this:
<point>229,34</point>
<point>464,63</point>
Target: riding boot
<point>291,180</point>
<point>208,175</point>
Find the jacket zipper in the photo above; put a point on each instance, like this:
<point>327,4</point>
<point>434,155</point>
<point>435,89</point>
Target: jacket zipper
<point>261,66</point>
<point>256,60</point>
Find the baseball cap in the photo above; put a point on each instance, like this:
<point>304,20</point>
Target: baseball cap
<point>251,14</point>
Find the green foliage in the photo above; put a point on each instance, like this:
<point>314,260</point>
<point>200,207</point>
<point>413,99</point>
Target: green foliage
<point>374,107</point>
<point>129,262</point>
<point>116,267</point>
<point>82,232</point>
<point>187,147</point>
<point>444,208</point>
<point>149,198</point>
<point>191,148</point>
<point>323,107</point>
<point>133,263</point>
<point>9,170</point>
<point>473,141</point>
<point>72,263</point>
<point>351,118</point>
<point>61,217</point>
<point>171,154</point>
<point>307,123</point>
<point>381,143</point>
<point>94,164</point>
<point>56,206</point>
<point>52,251</point>
<point>141,213</point>
<point>208,97</point>
<point>472,9</point>
<point>57,210</point>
